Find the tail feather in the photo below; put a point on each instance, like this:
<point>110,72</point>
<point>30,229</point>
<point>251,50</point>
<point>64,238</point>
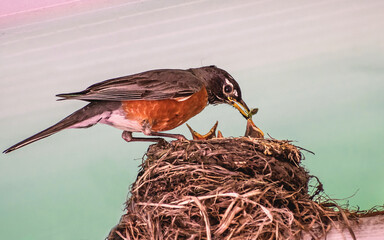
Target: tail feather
<point>86,114</point>
<point>67,96</point>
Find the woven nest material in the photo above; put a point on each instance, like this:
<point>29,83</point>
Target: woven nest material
<point>230,188</point>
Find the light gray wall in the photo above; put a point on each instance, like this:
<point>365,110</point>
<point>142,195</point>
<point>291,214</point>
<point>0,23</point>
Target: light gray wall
<point>314,68</point>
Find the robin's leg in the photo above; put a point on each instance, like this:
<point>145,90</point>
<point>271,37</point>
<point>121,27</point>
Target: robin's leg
<point>127,136</point>
<point>170,135</point>
<point>148,131</point>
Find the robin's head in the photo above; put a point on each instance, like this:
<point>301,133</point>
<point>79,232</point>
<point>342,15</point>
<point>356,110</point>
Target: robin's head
<point>222,88</point>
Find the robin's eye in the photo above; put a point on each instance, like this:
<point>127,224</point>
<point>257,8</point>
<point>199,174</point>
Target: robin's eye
<point>228,88</point>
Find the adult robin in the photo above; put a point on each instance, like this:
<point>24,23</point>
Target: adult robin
<point>149,102</point>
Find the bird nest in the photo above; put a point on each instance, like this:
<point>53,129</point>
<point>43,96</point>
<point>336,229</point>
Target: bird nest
<point>225,188</point>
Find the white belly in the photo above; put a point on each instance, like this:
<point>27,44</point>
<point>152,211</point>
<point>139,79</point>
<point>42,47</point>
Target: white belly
<point>117,119</point>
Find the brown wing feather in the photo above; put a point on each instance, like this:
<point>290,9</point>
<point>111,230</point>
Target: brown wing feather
<point>150,85</point>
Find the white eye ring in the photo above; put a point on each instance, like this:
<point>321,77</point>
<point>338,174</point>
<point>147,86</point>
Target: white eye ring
<point>228,87</point>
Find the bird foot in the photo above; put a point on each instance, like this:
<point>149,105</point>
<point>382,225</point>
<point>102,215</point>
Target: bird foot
<point>127,136</point>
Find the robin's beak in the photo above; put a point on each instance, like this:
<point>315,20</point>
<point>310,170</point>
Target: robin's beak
<point>241,106</point>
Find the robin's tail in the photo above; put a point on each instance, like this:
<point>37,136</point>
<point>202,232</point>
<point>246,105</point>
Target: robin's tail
<point>82,118</point>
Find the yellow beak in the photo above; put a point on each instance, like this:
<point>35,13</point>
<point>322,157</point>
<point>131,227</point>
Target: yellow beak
<point>241,106</point>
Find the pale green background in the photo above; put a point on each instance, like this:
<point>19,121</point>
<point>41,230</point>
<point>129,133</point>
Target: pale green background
<point>315,69</point>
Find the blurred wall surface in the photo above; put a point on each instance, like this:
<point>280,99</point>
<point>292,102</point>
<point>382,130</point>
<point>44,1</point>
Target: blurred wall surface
<point>315,69</point>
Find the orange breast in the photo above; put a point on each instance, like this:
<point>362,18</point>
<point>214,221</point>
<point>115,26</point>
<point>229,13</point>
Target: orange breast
<point>163,115</point>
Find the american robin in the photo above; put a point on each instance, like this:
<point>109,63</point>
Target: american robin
<point>149,102</point>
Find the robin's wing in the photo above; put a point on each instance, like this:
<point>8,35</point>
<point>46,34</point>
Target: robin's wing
<point>151,85</point>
